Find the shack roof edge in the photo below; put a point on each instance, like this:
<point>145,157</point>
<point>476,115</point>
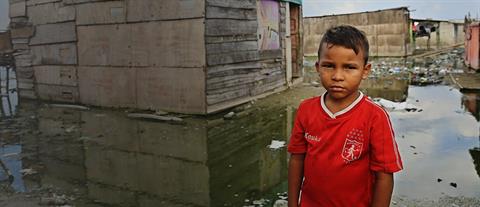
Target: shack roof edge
<point>331,15</point>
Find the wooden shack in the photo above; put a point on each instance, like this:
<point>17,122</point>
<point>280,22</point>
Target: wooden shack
<point>193,56</point>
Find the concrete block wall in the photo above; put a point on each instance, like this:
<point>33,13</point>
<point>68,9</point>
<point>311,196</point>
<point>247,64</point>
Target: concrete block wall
<point>121,53</point>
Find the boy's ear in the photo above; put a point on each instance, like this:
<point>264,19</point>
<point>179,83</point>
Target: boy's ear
<point>366,70</point>
<point>317,66</point>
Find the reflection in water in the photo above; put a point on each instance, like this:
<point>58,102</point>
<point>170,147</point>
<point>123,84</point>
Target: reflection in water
<point>10,169</point>
<point>471,102</point>
<point>8,92</point>
<point>102,158</point>
<point>435,144</point>
<point>475,152</point>
<point>105,158</point>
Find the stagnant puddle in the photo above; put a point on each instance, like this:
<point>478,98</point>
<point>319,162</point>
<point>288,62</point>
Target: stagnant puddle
<point>439,145</point>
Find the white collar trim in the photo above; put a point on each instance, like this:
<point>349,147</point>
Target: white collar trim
<point>345,110</point>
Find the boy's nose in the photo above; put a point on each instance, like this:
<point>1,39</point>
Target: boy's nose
<point>338,75</point>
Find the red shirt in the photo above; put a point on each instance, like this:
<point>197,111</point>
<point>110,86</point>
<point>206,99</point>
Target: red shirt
<point>342,151</point>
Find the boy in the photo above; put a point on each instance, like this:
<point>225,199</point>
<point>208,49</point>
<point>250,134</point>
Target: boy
<point>342,144</point>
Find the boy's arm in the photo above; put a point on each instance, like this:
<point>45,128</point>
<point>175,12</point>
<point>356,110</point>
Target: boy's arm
<point>295,177</point>
<point>382,190</point>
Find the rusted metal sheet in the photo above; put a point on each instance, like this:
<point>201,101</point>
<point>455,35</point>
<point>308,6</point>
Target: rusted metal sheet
<point>472,43</point>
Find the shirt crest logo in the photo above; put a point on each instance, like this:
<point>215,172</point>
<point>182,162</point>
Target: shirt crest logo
<point>353,146</point>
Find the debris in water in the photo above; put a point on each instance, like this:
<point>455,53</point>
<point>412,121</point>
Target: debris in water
<point>315,83</point>
<point>453,185</point>
<point>260,202</point>
<point>160,112</point>
<point>280,203</point>
<point>439,180</point>
<point>413,147</point>
<point>70,129</point>
<point>276,144</point>
<point>393,106</point>
<point>10,155</point>
<point>54,200</point>
<point>229,115</point>
<point>155,117</point>
<point>69,106</point>
<point>28,171</point>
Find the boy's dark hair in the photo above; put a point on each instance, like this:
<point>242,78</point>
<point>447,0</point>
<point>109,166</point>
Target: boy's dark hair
<point>348,37</point>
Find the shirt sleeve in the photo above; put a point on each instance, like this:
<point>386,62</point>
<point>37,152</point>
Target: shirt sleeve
<point>298,144</point>
<point>384,155</point>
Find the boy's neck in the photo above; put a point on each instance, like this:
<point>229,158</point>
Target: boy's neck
<point>336,105</point>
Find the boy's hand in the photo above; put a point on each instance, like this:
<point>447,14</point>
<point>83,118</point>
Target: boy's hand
<point>382,190</point>
<point>295,178</point>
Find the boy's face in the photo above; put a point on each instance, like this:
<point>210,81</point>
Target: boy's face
<point>341,71</point>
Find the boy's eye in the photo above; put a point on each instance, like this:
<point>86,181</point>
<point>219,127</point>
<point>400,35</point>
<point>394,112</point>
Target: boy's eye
<point>352,67</point>
<point>326,65</point>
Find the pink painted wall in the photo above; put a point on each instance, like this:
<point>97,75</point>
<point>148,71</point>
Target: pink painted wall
<point>472,49</point>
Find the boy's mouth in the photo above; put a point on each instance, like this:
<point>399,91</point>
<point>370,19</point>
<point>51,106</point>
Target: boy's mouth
<point>337,88</point>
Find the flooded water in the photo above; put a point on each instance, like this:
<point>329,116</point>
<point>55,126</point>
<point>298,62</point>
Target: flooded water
<point>102,158</point>
<point>439,145</point>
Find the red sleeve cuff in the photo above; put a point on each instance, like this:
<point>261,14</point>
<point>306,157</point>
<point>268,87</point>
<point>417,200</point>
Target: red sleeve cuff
<point>297,149</point>
<point>386,167</point>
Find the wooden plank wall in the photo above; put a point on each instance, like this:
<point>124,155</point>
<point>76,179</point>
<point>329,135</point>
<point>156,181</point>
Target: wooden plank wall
<point>236,69</point>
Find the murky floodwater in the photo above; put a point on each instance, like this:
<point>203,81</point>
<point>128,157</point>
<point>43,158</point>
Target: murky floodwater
<point>102,158</point>
<point>439,145</point>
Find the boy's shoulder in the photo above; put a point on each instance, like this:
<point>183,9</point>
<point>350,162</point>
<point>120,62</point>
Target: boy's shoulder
<point>310,102</point>
<point>374,108</point>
